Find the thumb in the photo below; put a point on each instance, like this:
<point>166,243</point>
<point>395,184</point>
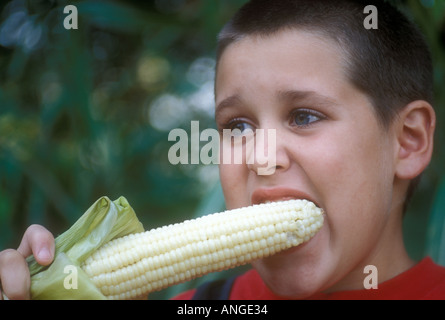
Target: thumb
<point>38,241</point>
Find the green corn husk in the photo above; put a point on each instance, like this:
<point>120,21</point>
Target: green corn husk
<point>64,279</point>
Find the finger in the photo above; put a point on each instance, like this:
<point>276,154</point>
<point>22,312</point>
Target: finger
<point>14,275</point>
<point>38,241</point>
<point>2,294</point>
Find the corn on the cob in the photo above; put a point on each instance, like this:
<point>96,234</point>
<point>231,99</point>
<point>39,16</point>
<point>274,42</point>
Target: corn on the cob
<point>137,264</point>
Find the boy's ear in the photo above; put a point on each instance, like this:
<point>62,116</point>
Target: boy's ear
<point>415,135</point>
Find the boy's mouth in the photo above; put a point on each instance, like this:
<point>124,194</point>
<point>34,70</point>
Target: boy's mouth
<point>274,194</point>
<point>281,193</point>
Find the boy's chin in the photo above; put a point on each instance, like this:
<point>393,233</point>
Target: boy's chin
<point>289,284</point>
<point>295,273</point>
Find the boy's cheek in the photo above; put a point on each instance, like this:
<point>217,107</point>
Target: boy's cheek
<point>234,184</point>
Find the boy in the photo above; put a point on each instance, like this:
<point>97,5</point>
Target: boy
<point>351,109</point>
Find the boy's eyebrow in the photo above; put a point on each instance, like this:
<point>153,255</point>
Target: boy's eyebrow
<point>305,96</point>
<point>227,102</point>
<point>293,96</point>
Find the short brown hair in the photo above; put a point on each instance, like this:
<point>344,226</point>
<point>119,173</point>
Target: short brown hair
<point>392,64</point>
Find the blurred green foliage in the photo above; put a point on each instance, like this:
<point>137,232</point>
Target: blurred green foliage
<point>86,113</point>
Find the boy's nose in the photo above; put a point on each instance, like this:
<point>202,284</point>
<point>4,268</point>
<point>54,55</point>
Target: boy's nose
<point>268,154</point>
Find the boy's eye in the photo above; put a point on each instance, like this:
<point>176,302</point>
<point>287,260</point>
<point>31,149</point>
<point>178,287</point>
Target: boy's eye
<point>303,118</point>
<point>240,127</point>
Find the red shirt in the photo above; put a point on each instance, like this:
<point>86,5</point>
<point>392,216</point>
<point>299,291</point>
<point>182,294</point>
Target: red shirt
<point>426,280</point>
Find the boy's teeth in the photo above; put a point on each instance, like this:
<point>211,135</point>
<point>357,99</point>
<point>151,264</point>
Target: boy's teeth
<point>283,199</point>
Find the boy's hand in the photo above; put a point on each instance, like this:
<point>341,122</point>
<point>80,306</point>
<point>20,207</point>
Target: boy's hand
<point>14,274</point>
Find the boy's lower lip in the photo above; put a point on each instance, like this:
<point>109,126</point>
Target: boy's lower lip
<point>293,249</point>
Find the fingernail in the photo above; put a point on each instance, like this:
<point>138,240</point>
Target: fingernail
<point>44,255</point>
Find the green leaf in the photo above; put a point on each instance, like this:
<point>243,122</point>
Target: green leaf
<point>57,282</point>
<point>103,221</point>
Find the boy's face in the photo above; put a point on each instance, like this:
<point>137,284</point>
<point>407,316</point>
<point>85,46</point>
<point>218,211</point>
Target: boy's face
<point>330,149</point>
